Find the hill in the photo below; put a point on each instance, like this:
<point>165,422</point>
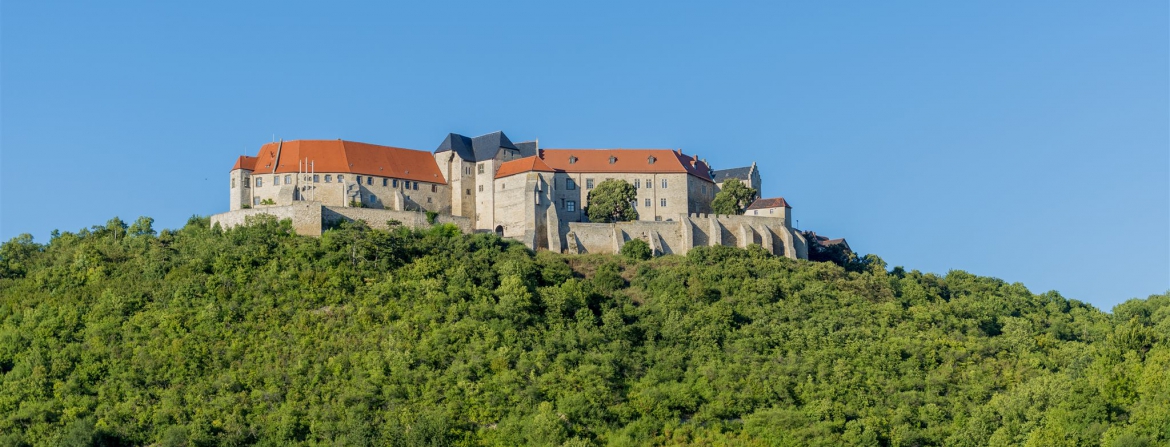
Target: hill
<point>117,335</point>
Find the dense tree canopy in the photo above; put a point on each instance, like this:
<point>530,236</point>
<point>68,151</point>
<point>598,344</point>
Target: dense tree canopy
<point>612,201</point>
<point>365,337</point>
<point>733,198</point>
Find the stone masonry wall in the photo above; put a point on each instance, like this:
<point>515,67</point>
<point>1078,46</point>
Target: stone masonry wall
<point>688,231</point>
<point>306,217</point>
<point>310,218</point>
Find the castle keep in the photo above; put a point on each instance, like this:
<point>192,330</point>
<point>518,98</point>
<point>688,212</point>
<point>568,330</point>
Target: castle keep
<point>516,190</point>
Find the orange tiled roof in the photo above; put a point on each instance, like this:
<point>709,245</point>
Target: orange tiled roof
<point>624,161</point>
<point>245,162</point>
<point>522,165</point>
<point>349,157</point>
<point>769,203</point>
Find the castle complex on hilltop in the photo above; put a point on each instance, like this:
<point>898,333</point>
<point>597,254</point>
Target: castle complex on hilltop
<point>516,190</point>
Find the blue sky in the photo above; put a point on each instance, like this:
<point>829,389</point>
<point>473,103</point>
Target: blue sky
<point>1029,141</point>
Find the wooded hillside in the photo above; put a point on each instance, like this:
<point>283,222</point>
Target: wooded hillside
<point>118,335</point>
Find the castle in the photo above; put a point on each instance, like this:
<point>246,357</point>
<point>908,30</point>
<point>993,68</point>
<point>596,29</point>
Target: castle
<point>519,190</point>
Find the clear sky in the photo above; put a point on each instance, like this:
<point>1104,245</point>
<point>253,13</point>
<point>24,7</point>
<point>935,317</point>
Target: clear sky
<point>1029,141</point>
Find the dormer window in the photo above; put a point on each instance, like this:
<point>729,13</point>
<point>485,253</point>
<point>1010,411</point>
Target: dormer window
<point>612,159</point>
<point>572,159</point>
<point>651,159</point>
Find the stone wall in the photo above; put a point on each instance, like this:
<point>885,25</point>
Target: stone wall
<point>305,217</point>
<point>311,218</point>
<point>688,231</point>
<point>376,218</point>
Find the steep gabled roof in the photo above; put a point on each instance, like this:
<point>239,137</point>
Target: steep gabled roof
<point>458,143</point>
<point>527,148</point>
<point>483,147</point>
<point>826,242</point>
<point>624,161</point>
<point>744,173</point>
<point>522,165</point>
<point>349,157</point>
<point>769,203</point>
<point>245,162</point>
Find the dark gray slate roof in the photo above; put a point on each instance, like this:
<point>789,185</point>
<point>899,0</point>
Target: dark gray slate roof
<point>458,143</point>
<point>483,147</point>
<point>527,148</point>
<point>744,173</point>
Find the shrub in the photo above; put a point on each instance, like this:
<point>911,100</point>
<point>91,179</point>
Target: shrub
<point>431,217</point>
<point>637,250</point>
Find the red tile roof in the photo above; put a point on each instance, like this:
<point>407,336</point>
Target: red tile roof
<point>349,157</point>
<point>522,165</point>
<point>769,203</point>
<point>625,161</point>
<point>245,162</point>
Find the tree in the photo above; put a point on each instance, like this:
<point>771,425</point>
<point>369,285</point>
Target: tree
<point>637,250</point>
<point>612,201</point>
<point>733,197</point>
<point>144,226</point>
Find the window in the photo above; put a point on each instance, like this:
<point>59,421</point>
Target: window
<point>612,159</point>
<point>233,183</point>
<point>480,168</point>
<point>572,159</point>
<point>395,183</point>
<point>501,185</point>
<point>771,211</point>
<point>328,178</point>
<point>275,180</point>
<point>637,183</point>
<point>340,177</point>
<point>661,202</point>
<point>373,198</point>
<point>469,191</point>
<point>316,178</point>
<point>385,182</point>
<point>369,180</point>
<point>259,182</point>
<point>651,159</point>
<point>434,188</point>
<point>288,179</point>
<point>571,205</point>
<point>416,186</point>
<point>588,183</point>
<point>428,200</point>
<point>704,188</point>
<point>756,212</point>
<point>649,184</point>
<point>647,203</point>
<point>359,179</point>
<point>663,183</point>
<point>256,200</point>
<point>246,185</point>
<point>570,184</point>
<point>480,188</point>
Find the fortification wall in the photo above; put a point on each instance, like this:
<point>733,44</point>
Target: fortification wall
<point>377,218</point>
<point>664,237</point>
<point>311,218</point>
<point>694,230</point>
<point>305,217</point>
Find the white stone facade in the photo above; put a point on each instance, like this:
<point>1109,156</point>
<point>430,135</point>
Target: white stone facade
<point>540,206</point>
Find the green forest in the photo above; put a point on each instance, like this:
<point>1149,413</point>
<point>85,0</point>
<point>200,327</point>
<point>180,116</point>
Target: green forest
<point>123,335</point>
